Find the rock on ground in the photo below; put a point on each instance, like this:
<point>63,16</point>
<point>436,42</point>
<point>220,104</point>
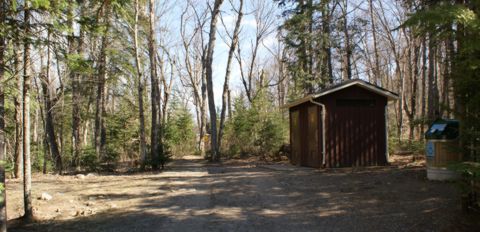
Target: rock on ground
<point>45,197</point>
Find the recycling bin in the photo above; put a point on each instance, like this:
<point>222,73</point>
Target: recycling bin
<point>442,149</point>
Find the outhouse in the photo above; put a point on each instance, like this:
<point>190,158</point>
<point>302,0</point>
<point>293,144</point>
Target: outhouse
<point>344,125</point>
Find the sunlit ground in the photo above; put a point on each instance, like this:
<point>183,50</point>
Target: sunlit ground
<point>192,195</point>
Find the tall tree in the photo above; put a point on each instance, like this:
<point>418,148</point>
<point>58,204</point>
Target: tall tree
<point>435,22</point>
<point>348,50</point>
<point>155,89</point>
<point>432,91</point>
<point>74,77</point>
<point>18,153</point>
<point>215,156</point>
<point>310,63</point>
<point>138,65</point>
<point>226,90</point>
<point>376,70</point>
<point>252,75</point>
<point>3,45</point>
<point>49,103</point>
<point>100,133</point>
<point>326,55</point>
<point>194,49</point>
<point>27,171</point>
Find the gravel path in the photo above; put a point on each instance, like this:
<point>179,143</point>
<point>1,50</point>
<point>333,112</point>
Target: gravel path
<point>192,195</point>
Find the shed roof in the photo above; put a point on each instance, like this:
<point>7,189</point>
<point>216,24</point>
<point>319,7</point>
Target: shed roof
<point>345,84</point>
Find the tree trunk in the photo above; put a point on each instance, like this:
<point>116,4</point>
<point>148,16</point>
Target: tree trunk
<point>327,71</point>
<point>423,87</point>
<point>413,97</point>
<point>401,87</point>
<point>215,156</point>
<point>376,72</point>
<point>347,62</point>
<point>460,108</point>
<point>310,50</point>
<point>230,114</point>
<point>35,127</point>
<point>163,106</point>
<point>76,96</point>
<point>155,94</point>
<point>249,90</point>
<point>412,65</point>
<point>41,101</point>
<point>203,111</point>
<point>432,108</point>
<point>3,199</point>
<point>100,139</point>
<point>450,53</point>
<point>49,120</point>
<point>226,90</point>
<point>45,154</point>
<point>27,172</point>
<point>143,151</point>
<point>18,154</point>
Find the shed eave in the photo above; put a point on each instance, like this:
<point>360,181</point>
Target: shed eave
<point>370,87</point>
<point>390,96</point>
<point>297,102</point>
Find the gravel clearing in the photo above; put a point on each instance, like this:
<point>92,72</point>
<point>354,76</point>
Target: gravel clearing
<point>192,195</point>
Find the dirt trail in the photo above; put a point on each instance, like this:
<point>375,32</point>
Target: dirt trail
<point>192,195</point>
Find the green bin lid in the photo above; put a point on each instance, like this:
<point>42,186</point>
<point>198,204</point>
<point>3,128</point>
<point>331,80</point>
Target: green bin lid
<point>443,129</point>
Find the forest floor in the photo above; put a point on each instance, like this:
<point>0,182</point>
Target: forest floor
<point>193,195</point>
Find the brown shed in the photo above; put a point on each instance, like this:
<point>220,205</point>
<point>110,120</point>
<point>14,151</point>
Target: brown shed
<point>343,125</point>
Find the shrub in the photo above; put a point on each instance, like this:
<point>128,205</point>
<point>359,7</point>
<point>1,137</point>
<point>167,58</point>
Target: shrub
<point>38,157</point>
<point>179,135</point>
<point>89,159</point>
<point>255,129</point>
<point>469,183</point>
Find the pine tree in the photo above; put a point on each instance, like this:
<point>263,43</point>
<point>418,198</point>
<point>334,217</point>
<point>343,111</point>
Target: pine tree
<point>436,21</point>
<point>309,41</point>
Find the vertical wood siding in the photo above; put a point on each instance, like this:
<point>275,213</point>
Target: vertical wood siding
<point>355,135</point>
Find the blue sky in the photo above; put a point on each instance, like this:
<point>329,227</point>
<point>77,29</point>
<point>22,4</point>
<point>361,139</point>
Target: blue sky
<point>171,20</point>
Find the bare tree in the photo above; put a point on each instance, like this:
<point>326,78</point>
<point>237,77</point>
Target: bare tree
<point>209,78</point>
<point>49,102</point>
<point>166,84</point>
<point>376,70</point>
<point>155,91</point>
<point>194,53</point>
<point>413,66</point>
<point>140,85</point>
<point>264,22</point>
<point>226,89</point>
<point>397,53</point>
<point>348,46</point>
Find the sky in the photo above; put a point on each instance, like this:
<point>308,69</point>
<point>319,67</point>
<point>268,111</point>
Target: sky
<point>171,20</point>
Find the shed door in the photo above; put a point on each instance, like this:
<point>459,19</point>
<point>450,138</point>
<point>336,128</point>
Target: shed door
<point>358,132</point>
<point>296,137</point>
<point>313,156</point>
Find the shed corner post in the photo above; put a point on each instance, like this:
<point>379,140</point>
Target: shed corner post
<point>324,113</point>
<point>387,155</point>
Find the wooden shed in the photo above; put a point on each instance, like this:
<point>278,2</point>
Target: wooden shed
<point>344,125</point>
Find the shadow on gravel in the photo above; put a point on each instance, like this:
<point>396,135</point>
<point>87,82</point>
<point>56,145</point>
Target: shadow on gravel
<point>229,198</point>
